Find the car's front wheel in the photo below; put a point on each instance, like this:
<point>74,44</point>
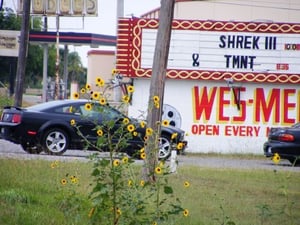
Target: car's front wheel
<point>55,141</point>
<point>164,148</point>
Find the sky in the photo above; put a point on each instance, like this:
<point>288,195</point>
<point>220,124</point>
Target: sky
<point>104,23</point>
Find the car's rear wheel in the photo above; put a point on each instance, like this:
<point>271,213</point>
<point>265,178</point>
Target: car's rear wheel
<point>55,141</point>
<point>164,148</point>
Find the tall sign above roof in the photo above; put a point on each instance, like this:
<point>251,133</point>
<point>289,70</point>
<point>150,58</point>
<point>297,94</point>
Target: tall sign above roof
<point>213,50</point>
<point>62,7</point>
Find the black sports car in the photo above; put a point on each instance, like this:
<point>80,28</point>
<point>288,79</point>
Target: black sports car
<point>48,127</point>
<point>285,141</point>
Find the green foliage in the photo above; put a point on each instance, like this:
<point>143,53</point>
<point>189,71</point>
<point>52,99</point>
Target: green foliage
<point>34,66</point>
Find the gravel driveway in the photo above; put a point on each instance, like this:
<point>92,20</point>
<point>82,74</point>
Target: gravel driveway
<point>9,150</point>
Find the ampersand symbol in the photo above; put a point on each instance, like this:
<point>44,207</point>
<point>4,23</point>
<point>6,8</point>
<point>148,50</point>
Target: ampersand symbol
<point>195,58</point>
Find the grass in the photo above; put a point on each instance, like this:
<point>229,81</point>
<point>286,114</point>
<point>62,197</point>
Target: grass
<point>31,193</point>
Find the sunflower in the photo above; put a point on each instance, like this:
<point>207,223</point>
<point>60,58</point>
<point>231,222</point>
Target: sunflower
<point>75,95</point>
<point>116,162</point>
<point>174,135</point>
<point>276,158</point>
<point>130,128</point>
<point>88,106</point>
<point>186,184</point>
<point>165,123</point>
<point>125,120</point>
<point>99,132</point>
<point>88,87</point>
<point>102,101</point>
<point>142,124</point>
<point>149,131</point>
<point>100,82</point>
<point>156,104</point>
<point>134,133</point>
<point>82,91</point>
<point>142,150</point>
<point>63,181</point>
<point>95,95</point>
<point>72,122</point>
<point>130,89</point>
<point>125,98</point>
<point>142,183</point>
<point>158,170</point>
<point>130,182</point>
<point>179,146</point>
<point>119,212</point>
<point>114,71</point>
<point>143,155</point>
<point>125,159</point>
<point>155,98</point>
<point>185,212</point>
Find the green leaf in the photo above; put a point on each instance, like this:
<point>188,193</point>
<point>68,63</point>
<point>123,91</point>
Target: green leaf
<point>168,190</point>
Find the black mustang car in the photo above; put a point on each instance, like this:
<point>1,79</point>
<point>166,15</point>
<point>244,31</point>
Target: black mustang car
<point>48,127</point>
<point>285,141</point>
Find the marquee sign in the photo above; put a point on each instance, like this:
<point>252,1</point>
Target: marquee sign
<point>213,50</point>
<point>62,7</point>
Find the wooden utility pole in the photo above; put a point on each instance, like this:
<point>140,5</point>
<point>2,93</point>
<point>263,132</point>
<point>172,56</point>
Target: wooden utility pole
<point>157,85</point>
<point>23,48</point>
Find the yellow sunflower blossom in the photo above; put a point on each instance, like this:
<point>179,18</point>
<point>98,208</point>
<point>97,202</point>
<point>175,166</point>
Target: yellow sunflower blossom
<point>52,165</point>
<point>158,170</point>
<point>82,91</point>
<point>134,133</point>
<point>100,132</point>
<point>119,212</point>
<point>88,106</point>
<point>74,179</point>
<point>130,182</point>
<point>186,184</point>
<point>174,136</point>
<point>125,121</point>
<point>186,212</point>
<point>125,159</point>
<point>156,104</point>
<point>88,87</point>
<point>125,98</point>
<point>154,223</point>
<point>100,82</point>
<point>142,150</point>
<point>95,95</point>
<point>142,183</point>
<point>114,71</point>
<point>142,124</point>
<point>155,98</point>
<point>149,131</point>
<point>102,101</point>
<point>75,95</point>
<point>165,123</point>
<point>72,122</point>
<point>63,181</point>
<point>130,89</point>
<point>130,128</point>
<point>143,155</point>
<point>116,162</point>
<point>179,146</point>
<point>276,158</point>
